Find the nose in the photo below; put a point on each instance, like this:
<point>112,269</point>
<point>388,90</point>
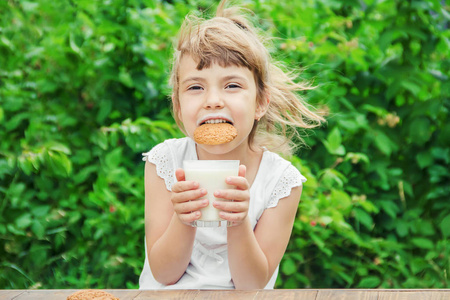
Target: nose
<point>213,100</point>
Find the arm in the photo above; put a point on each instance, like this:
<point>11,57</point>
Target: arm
<point>254,255</point>
<point>169,239</point>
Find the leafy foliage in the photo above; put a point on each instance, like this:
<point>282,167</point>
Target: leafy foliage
<point>83,91</point>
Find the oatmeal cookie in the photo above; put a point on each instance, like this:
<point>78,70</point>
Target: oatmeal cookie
<point>215,134</point>
<point>91,295</point>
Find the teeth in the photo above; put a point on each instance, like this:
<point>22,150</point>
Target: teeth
<point>215,121</point>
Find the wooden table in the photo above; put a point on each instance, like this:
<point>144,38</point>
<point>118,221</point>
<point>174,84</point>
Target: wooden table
<point>304,294</point>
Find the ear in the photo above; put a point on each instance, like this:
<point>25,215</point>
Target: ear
<point>262,107</point>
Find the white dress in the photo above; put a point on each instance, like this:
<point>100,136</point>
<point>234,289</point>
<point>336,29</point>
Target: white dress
<point>208,268</point>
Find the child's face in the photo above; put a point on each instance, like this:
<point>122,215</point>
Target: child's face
<point>219,93</point>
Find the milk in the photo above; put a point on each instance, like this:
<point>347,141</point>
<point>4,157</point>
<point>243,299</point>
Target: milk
<point>211,175</point>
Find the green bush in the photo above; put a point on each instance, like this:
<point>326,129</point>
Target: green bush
<point>83,92</point>
<point>377,213</point>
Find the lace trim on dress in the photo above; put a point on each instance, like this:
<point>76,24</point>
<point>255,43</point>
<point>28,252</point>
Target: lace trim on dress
<point>290,179</point>
<point>163,163</point>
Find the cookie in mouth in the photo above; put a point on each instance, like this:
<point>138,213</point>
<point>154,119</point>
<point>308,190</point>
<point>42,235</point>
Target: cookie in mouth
<point>215,132</point>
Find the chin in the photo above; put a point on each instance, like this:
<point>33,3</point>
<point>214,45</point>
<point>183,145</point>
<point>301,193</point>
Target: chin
<point>222,150</point>
<point>216,149</point>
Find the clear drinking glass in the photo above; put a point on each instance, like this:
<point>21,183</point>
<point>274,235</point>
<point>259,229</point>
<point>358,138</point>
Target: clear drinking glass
<point>211,175</point>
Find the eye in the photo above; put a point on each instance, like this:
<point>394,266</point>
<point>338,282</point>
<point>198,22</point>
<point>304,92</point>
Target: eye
<point>194,88</point>
<point>233,86</point>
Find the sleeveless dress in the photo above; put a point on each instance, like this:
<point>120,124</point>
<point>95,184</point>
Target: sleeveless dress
<point>208,268</point>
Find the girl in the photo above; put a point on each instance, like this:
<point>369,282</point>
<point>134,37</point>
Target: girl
<point>223,72</point>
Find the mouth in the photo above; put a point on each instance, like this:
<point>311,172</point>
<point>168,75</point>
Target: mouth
<point>215,119</point>
<point>215,132</point>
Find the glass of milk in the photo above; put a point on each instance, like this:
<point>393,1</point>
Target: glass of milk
<point>211,175</point>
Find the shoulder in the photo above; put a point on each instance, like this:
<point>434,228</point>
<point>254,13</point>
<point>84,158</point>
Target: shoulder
<point>284,177</point>
<point>166,148</point>
<point>168,156</point>
<point>279,167</point>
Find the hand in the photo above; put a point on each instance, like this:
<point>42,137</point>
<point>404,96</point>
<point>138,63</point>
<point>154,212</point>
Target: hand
<point>186,198</point>
<point>236,209</point>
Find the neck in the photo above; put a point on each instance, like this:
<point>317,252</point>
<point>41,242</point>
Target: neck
<point>243,153</point>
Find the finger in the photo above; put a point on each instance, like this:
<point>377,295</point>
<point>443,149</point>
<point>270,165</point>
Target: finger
<point>179,174</point>
<point>231,206</point>
<point>239,182</point>
<point>242,171</point>
<point>190,206</point>
<point>232,217</point>
<point>230,194</point>
<point>182,186</point>
<point>190,217</point>
<point>189,195</point>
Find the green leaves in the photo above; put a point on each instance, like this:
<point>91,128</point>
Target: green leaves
<point>59,163</point>
<point>79,102</point>
<point>288,267</point>
<point>364,218</point>
<point>333,143</point>
<point>83,91</point>
<point>420,130</point>
<point>387,121</point>
<point>369,282</point>
<point>445,226</point>
<point>53,155</point>
<point>383,143</point>
<point>422,243</point>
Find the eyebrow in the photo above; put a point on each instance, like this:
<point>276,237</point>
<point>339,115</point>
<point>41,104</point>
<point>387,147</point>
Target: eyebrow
<point>231,77</point>
<point>226,78</point>
<point>192,79</point>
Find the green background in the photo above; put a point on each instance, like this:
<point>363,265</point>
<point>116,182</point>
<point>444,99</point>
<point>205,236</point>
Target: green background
<point>83,92</point>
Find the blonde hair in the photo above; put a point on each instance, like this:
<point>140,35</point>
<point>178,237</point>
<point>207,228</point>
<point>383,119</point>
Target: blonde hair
<point>229,39</point>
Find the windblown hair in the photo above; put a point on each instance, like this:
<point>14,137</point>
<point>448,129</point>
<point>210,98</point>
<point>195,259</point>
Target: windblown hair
<point>230,39</point>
